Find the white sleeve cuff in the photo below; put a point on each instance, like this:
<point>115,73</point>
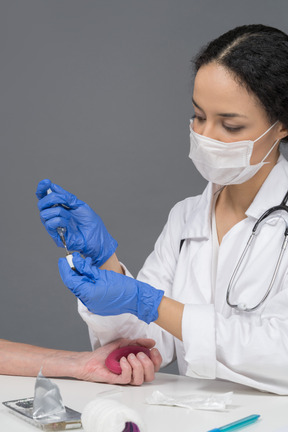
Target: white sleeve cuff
<point>126,271</point>
<point>198,332</point>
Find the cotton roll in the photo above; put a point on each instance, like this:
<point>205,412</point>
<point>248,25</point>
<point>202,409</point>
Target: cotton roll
<point>102,415</point>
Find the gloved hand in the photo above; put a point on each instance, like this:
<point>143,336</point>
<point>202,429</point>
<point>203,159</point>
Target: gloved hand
<point>85,230</point>
<point>108,293</point>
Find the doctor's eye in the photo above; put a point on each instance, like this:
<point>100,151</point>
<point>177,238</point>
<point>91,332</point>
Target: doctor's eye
<point>233,129</point>
<point>198,117</point>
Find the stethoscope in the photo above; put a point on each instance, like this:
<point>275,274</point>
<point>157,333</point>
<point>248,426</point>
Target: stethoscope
<point>242,306</point>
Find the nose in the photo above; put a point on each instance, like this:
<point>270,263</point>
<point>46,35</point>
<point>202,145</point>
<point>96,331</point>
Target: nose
<point>204,128</point>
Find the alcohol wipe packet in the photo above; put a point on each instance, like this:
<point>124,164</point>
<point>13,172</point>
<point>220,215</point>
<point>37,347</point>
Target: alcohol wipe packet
<point>47,399</point>
<point>46,409</point>
<point>212,402</point>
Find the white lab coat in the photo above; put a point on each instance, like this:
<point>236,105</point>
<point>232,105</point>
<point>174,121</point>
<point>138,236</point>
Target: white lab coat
<point>250,348</point>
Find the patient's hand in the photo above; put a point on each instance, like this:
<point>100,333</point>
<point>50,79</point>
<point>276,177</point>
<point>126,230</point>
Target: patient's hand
<point>90,366</point>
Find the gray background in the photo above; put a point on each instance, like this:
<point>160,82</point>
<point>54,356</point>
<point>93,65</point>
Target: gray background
<point>96,95</point>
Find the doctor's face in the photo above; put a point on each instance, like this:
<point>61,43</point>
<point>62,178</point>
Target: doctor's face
<point>225,111</point>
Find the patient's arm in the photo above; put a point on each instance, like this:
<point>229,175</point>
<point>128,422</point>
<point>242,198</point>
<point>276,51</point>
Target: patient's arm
<point>27,360</point>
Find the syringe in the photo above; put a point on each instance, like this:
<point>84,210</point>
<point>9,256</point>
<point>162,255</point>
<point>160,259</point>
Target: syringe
<point>61,232</point>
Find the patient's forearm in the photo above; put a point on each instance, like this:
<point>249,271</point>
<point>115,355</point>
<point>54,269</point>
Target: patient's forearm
<point>26,360</point>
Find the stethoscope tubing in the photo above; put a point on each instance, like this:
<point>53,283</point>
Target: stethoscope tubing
<point>241,306</point>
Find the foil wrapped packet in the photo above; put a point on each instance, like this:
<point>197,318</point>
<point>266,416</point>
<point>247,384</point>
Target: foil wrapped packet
<point>46,409</point>
<point>47,400</point>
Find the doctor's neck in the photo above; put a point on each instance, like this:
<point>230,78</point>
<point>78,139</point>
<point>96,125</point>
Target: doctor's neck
<point>239,197</point>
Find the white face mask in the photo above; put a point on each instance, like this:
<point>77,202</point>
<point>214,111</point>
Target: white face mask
<point>224,163</point>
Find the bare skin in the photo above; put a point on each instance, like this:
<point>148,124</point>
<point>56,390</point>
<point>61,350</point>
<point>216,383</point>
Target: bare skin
<point>225,111</point>
<point>26,360</point>
<point>113,264</point>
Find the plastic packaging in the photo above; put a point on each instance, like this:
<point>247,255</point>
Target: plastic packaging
<point>47,399</point>
<point>211,402</point>
<point>45,410</point>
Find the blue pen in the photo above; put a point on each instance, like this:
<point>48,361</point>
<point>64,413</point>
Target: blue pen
<point>237,424</point>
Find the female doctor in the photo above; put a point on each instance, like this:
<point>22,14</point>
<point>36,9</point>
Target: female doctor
<point>218,323</point>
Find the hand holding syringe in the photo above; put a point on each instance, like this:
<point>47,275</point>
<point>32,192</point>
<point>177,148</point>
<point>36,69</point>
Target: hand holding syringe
<point>61,231</point>
<point>73,223</point>
<point>113,293</point>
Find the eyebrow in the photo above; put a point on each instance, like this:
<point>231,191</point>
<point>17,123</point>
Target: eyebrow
<point>220,114</point>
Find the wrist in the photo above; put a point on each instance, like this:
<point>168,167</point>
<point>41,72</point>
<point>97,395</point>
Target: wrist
<point>60,364</point>
<point>113,264</point>
<point>99,258</point>
<point>170,315</point>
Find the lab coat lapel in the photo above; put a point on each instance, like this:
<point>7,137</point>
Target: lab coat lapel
<point>195,258</point>
<point>272,191</point>
<point>198,225</point>
<point>230,250</point>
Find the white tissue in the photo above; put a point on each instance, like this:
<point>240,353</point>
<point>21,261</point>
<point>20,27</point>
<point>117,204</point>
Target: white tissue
<point>103,415</point>
<point>215,402</point>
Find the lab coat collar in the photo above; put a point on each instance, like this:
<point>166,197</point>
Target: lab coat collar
<point>198,223</point>
<point>271,193</point>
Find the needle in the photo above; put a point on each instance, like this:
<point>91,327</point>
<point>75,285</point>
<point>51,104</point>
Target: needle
<point>60,230</point>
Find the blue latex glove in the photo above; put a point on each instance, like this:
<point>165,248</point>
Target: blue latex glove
<point>85,230</point>
<point>108,293</point>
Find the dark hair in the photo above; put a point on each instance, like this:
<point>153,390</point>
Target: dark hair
<point>257,56</point>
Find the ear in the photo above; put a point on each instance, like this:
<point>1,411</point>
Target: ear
<point>282,131</point>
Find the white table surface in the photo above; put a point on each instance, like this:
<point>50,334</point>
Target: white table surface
<point>76,394</point>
